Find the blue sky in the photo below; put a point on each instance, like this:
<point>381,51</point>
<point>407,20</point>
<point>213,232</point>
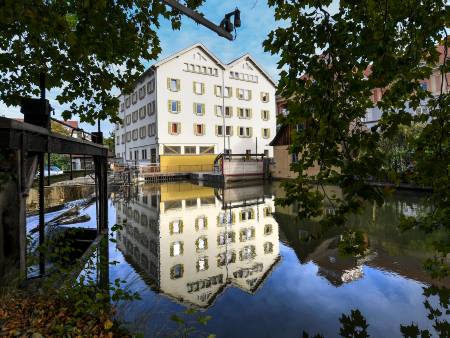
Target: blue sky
<point>257,21</point>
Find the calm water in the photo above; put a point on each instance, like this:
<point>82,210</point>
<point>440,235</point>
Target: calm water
<point>256,269</point>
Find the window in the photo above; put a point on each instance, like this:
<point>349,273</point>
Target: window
<point>268,229</point>
<point>174,128</point>
<point>244,94</point>
<point>128,119</point>
<point>294,158</point>
<point>176,227</point>
<point>142,112</point>
<point>207,150</point>
<point>151,108</point>
<point>135,116</point>
<point>247,252</point>
<point>199,109</point>
<point>226,258</point>
<point>199,129</point>
<point>225,218</point>
<point>134,97</point>
<point>190,149</point>
<point>203,69</point>
<point>225,238</point>
<point>244,131</point>
<point>118,139</point>
<point>228,131</point>
<point>266,153</point>
<point>228,111</point>
<point>176,249</point>
<point>141,93</point>
<point>424,86</point>
<point>172,150</point>
<point>246,234</point>
<point>268,247</point>
<point>199,88</point>
<point>245,113</point>
<point>218,91</point>
<point>152,129</point>
<point>228,92</point>
<point>127,102</point>
<point>144,155</point>
<point>122,106</point>
<point>246,215</point>
<point>201,243</point>
<point>136,157</point>
<point>173,84</point>
<point>202,264</point>
<point>264,97</point>
<point>176,271</point>
<point>128,136</point>
<point>265,115</point>
<point>265,132</point>
<point>218,110</point>
<point>151,86</point>
<point>201,223</point>
<point>135,134</point>
<point>142,132</point>
<point>123,138</point>
<point>174,106</point>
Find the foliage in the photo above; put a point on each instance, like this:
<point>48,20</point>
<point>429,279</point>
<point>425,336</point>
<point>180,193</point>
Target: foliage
<point>40,316</point>
<point>330,64</point>
<point>187,324</point>
<point>399,152</point>
<point>86,49</point>
<point>110,142</point>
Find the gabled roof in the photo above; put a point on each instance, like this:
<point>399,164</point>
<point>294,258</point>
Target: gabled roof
<point>252,60</point>
<point>183,51</point>
<point>283,136</point>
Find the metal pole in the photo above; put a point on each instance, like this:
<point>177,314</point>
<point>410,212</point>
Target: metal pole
<point>71,168</point>
<point>41,214</point>
<point>48,169</point>
<point>223,108</point>
<point>199,18</point>
<point>41,190</point>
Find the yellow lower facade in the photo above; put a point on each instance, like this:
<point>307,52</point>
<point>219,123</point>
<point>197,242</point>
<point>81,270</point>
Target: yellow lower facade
<point>186,163</point>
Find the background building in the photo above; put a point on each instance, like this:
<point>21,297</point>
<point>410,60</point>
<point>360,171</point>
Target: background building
<point>190,107</point>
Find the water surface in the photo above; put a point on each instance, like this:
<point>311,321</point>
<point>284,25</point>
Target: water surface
<point>257,269</point>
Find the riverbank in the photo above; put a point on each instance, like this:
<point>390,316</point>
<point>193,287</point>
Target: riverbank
<point>31,315</point>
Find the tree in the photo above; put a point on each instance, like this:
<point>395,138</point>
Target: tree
<point>84,48</point>
<point>110,142</point>
<point>325,60</point>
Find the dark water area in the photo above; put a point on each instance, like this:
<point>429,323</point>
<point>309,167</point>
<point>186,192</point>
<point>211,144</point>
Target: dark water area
<point>257,269</point>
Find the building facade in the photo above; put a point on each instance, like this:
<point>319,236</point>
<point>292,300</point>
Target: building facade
<point>191,106</point>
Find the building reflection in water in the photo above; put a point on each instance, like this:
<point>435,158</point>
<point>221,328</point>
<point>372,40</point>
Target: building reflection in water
<point>388,249</point>
<point>190,242</point>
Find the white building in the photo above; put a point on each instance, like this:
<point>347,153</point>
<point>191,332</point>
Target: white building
<point>177,109</point>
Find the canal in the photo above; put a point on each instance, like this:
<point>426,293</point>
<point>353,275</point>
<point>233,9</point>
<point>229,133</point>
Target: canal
<point>253,269</point>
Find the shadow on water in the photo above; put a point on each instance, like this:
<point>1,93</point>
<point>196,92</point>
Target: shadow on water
<point>259,271</point>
